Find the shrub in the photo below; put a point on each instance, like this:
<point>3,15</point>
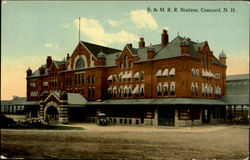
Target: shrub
<point>5,121</point>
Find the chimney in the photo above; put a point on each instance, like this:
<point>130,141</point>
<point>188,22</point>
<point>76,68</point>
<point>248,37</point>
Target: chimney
<point>150,52</point>
<point>49,61</point>
<point>164,38</point>
<point>130,45</point>
<point>68,57</point>
<point>29,72</point>
<point>141,43</point>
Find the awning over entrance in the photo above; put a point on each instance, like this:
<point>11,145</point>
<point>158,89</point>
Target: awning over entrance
<point>74,99</point>
<point>160,101</point>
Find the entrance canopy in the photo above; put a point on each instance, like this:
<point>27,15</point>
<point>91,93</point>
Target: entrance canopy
<point>160,101</point>
<point>74,99</point>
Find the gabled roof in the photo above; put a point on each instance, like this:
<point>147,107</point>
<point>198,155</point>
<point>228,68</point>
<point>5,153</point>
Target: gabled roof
<point>95,49</point>
<point>142,52</point>
<point>132,50</point>
<point>59,63</point>
<point>173,49</point>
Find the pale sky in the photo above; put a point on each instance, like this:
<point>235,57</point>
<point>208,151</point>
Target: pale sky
<point>31,31</point>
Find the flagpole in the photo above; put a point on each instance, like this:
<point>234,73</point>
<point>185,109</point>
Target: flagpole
<point>79,29</point>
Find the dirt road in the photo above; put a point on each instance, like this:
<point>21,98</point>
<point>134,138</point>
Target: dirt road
<point>115,142</point>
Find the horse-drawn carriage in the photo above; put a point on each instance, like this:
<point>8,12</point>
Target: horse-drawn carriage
<point>103,120</point>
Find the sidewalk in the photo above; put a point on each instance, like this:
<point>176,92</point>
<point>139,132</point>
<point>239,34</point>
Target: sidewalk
<point>92,127</point>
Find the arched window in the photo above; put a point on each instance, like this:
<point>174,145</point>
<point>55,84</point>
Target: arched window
<point>142,76</point>
<point>197,89</point>
<point>80,63</point>
<point>197,73</point>
<point>125,61</point>
<point>192,89</point>
<point>159,89</point>
<point>193,72</point>
<point>93,79</point>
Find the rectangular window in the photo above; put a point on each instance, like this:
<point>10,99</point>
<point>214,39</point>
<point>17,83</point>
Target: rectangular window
<point>125,92</point>
<point>114,94</point>
<point>70,81</point>
<point>75,79</point>
<point>83,78</point>
<point>165,91</point>
<point>120,92</point>
<point>130,64</point>
<point>159,88</point>
<point>142,91</point>
<point>89,79</point>
<point>79,78</point>
<point>129,92</point>
<point>93,92</point>
<point>89,92</point>
<point>172,91</point>
<point>93,79</point>
<point>142,76</point>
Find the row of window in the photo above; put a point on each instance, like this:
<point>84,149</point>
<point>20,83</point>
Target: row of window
<point>80,79</point>
<point>126,63</point>
<point>34,94</point>
<point>12,109</point>
<point>165,89</point>
<point>165,73</point>
<point>127,76</point>
<point>126,91</point>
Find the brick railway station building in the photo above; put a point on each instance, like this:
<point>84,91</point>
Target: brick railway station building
<point>173,83</point>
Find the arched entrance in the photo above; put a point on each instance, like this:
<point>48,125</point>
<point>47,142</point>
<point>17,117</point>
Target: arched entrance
<point>52,115</point>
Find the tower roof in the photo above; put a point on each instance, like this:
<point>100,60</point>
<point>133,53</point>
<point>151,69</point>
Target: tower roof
<point>222,55</point>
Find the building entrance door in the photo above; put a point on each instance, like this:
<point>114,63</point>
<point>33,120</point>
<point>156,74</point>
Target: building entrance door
<point>205,115</point>
<point>166,116</point>
<point>52,115</point>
